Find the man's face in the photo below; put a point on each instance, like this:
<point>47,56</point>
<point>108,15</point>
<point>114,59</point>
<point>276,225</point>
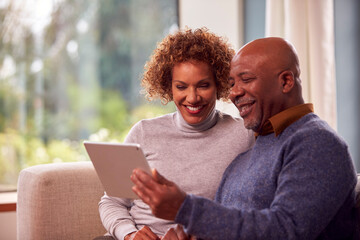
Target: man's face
<point>255,89</point>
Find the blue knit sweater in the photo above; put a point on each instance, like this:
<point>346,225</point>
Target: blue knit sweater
<point>298,185</point>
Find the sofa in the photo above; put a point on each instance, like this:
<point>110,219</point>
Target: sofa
<point>59,201</point>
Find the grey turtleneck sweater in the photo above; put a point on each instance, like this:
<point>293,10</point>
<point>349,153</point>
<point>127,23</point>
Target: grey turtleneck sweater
<point>192,156</point>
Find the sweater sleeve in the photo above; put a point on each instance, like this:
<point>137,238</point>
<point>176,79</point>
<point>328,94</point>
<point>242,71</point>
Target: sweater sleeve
<point>114,212</point>
<point>115,216</point>
<point>316,184</point>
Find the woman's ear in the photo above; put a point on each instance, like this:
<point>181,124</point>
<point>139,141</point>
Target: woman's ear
<point>287,80</point>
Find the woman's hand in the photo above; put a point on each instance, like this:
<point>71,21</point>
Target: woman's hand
<point>144,233</point>
<point>163,196</point>
<point>176,233</point>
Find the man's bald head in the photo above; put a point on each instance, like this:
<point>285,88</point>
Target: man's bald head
<point>273,52</point>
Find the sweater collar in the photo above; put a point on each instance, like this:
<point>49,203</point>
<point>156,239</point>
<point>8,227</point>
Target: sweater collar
<point>209,122</point>
<point>279,122</point>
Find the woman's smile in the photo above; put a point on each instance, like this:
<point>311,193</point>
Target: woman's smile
<point>194,90</point>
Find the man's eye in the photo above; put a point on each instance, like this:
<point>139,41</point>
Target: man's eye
<point>231,84</point>
<point>247,79</point>
<point>206,85</point>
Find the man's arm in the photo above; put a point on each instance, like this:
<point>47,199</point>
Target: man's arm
<point>164,197</point>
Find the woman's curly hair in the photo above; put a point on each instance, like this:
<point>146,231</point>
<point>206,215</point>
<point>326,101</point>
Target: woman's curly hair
<point>199,45</point>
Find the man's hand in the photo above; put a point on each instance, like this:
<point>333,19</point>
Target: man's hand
<point>163,196</point>
<point>144,233</point>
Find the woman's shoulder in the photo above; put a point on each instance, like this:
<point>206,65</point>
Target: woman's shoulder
<point>234,129</point>
<point>230,123</point>
<point>227,119</point>
<point>148,127</point>
<point>155,121</point>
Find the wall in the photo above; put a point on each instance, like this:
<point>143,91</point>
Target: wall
<point>8,225</point>
<point>221,17</point>
<point>8,215</point>
<point>347,57</point>
<point>254,19</point>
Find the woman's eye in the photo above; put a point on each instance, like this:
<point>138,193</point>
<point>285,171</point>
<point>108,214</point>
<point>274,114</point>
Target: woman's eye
<point>180,87</point>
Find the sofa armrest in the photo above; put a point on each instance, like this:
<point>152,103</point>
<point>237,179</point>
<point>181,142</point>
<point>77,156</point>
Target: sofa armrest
<point>59,201</point>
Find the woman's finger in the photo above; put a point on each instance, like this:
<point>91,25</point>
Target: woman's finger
<point>181,233</point>
<point>170,235</point>
<point>147,232</point>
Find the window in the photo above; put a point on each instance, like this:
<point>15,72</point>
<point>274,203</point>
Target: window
<point>71,70</point>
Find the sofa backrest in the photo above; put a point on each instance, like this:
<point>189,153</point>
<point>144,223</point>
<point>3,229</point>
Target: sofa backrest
<point>59,201</point>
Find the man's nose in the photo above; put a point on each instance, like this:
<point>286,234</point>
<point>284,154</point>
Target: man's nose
<point>236,91</point>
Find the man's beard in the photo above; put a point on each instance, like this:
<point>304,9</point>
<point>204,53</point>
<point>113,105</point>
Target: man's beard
<point>253,124</point>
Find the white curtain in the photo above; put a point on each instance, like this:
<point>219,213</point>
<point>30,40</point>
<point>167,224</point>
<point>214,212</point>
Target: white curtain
<point>309,26</point>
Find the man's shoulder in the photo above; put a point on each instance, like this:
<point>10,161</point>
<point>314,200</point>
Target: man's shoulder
<point>311,125</point>
<point>312,132</point>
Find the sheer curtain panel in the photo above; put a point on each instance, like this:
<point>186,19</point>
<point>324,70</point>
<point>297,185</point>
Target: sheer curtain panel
<point>309,25</point>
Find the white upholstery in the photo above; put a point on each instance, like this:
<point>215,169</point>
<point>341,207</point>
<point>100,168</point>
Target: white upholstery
<point>59,201</point>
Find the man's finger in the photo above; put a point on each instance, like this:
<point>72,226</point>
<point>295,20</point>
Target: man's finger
<point>144,178</point>
<point>141,190</point>
<point>141,194</point>
<point>159,178</point>
<point>141,175</point>
<point>145,193</point>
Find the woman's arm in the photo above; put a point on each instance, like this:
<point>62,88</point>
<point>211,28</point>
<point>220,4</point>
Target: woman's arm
<point>115,216</point>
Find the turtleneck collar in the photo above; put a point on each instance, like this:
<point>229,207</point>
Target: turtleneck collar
<point>209,122</point>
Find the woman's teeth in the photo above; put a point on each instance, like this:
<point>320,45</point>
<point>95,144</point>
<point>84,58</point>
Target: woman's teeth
<point>194,108</point>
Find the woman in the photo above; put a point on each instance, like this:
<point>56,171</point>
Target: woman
<point>191,146</point>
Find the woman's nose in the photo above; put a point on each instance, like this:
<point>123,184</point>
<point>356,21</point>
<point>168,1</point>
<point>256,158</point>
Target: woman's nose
<point>193,97</point>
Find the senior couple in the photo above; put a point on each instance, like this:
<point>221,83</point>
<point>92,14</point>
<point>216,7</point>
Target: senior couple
<point>278,172</point>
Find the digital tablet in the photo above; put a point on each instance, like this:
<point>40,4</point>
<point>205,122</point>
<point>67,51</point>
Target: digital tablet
<point>114,163</point>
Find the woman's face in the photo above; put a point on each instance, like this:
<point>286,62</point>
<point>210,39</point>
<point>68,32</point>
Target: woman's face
<point>194,90</point>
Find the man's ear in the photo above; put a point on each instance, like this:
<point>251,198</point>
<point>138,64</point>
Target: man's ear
<point>287,80</point>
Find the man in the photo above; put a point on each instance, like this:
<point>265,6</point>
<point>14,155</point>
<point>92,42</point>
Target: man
<point>297,182</point>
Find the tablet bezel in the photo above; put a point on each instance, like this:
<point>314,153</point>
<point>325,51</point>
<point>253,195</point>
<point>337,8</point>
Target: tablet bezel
<point>114,163</point>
